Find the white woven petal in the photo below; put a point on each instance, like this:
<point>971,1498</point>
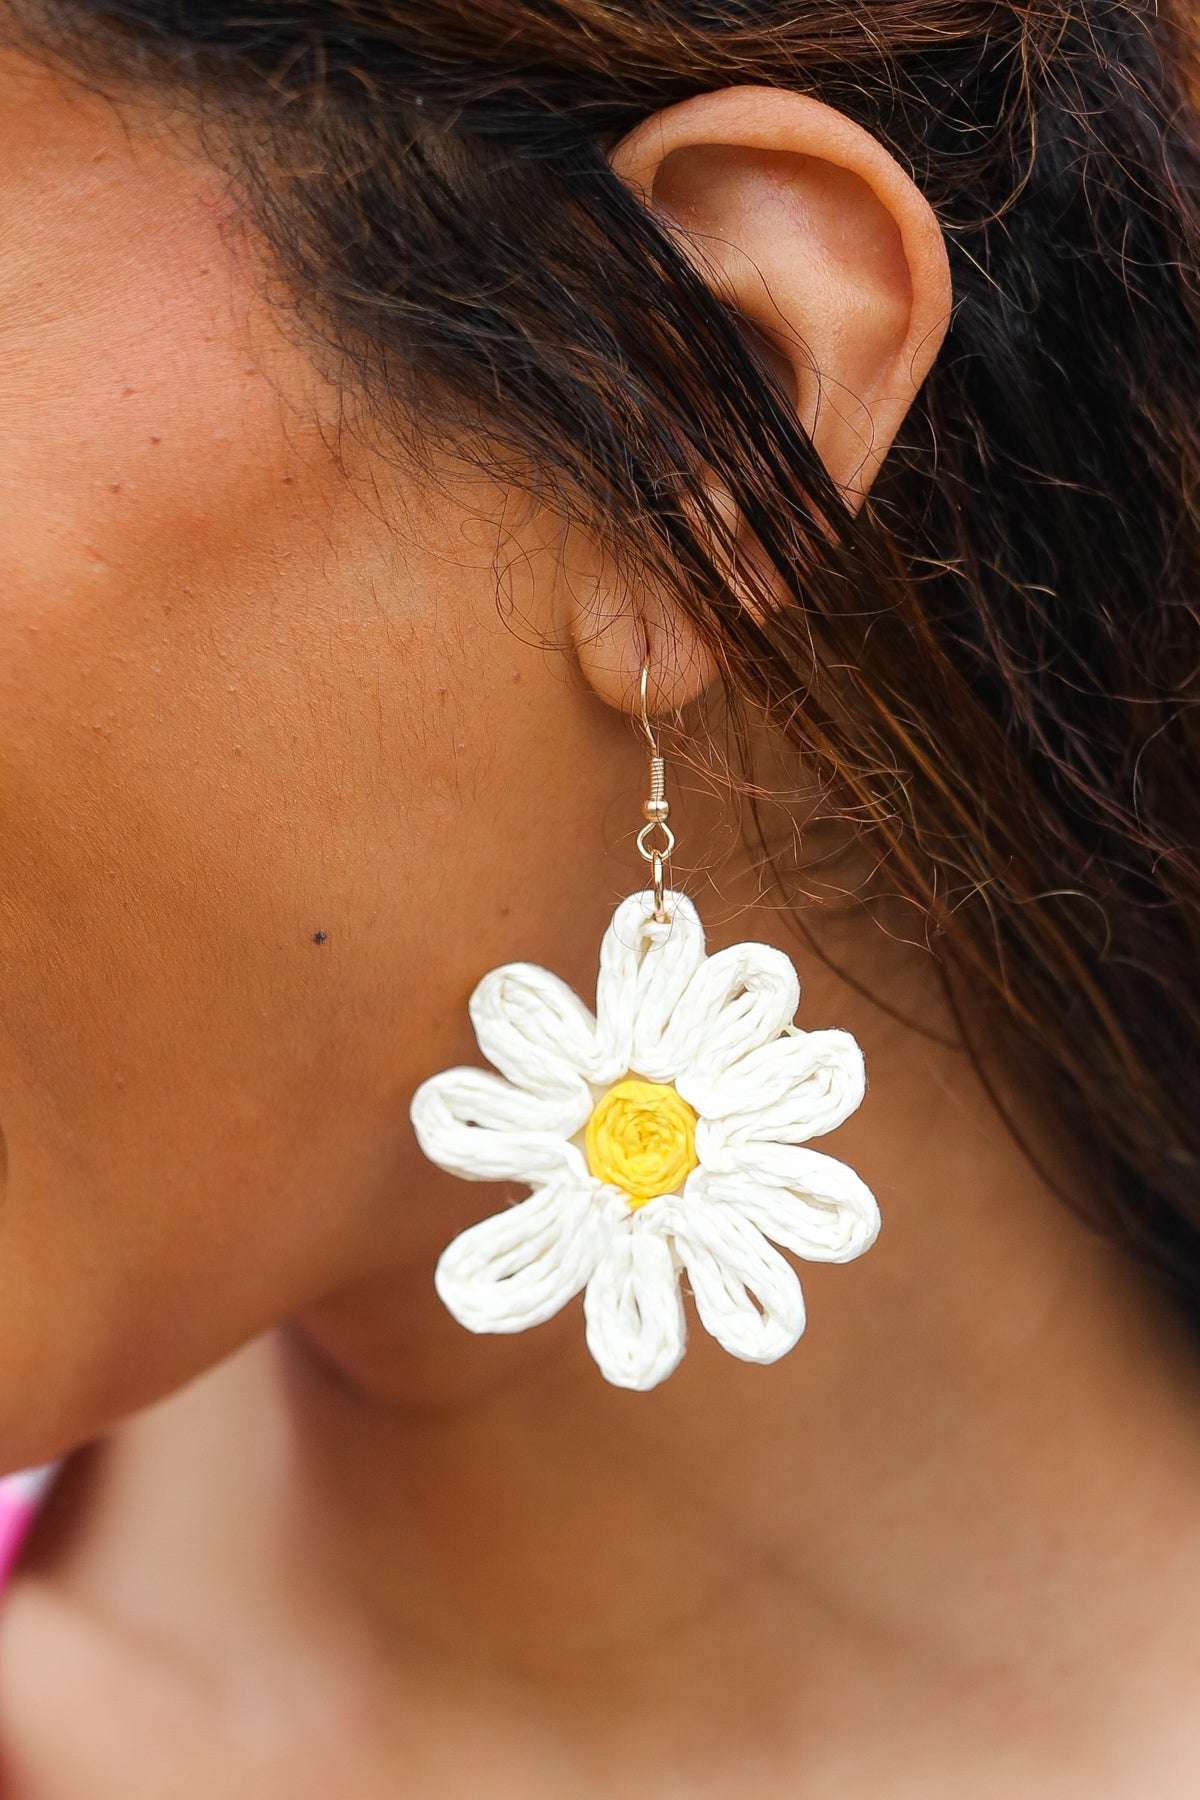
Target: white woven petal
<point>728,1260</point>
<point>637,992</point>
<point>810,1203</point>
<point>521,1266</point>
<point>477,1125</point>
<point>635,1322</point>
<point>535,1029</point>
<point>736,1001</point>
<point>798,1087</point>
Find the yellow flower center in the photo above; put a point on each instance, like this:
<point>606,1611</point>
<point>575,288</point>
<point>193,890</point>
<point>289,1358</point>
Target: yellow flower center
<point>641,1138</point>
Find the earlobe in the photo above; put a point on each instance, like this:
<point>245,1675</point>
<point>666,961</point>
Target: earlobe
<point>615,634</point>
<point>805,224</point>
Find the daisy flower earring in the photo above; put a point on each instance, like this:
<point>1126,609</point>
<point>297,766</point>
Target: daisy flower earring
<point>664,1137</point>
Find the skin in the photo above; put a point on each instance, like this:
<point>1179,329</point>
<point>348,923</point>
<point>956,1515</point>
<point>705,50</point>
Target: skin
<point>278,788</point>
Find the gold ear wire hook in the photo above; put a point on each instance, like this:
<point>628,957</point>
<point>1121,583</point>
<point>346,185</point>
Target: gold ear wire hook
<point>656,810</point>
<point>647,727</point>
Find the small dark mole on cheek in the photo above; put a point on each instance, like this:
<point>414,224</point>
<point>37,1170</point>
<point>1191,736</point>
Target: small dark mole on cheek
<point>320,937</point>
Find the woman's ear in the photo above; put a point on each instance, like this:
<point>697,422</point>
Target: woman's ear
<point>811,230</point>
<point>806,226</point>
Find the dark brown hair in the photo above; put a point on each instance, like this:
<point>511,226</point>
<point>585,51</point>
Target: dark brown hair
<point>996,663</point>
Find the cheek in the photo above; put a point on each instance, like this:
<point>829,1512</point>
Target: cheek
<point>190,754</point>
<point>237,714</point>
<point>195,1092</point>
